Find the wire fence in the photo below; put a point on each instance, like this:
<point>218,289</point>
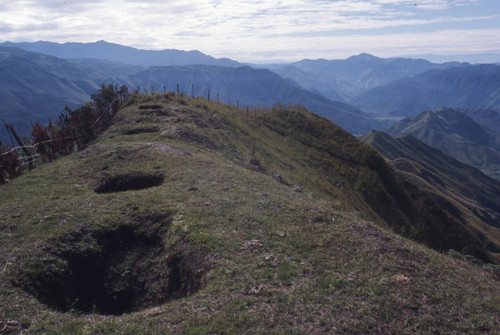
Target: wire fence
<point>15,159</point>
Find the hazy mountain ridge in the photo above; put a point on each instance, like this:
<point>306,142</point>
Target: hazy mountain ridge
<point>105,68</point>
<point>475,87</point>
<point>14,58</point>
<point>456,134</point>
<point>466,193</point>
<point>248,86</point>
<point>81,77</point>
<point>489,118</point>
<point>123,54</point>
<point>70,82</point>
<point>325,86</point>
<point>355,75</point>
<point>36,87</point>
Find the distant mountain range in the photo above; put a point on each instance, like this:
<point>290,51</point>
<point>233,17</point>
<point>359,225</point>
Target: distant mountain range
<point>459,87</point>
<point>248,86</point>
<point>346,79</point>
<point>456,134</point>
<point>101,68</point>
<point>462,190</point>
<point>122,54</point>
<point>480,58</point>
<point>37,87</point>
<point>38,79</point>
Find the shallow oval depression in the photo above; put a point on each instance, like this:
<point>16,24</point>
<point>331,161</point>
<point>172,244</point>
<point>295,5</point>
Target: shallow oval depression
<point>141,130</point>
<point>129,181</point>
<point>111,272</point>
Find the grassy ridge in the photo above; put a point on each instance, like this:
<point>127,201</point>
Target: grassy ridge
<point>261,225</point>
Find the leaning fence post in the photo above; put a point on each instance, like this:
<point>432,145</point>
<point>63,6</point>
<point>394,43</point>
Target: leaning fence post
<point>20,143</point>
<point>8,132</point>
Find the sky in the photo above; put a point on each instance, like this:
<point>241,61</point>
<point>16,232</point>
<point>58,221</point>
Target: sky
<point>264,31</point>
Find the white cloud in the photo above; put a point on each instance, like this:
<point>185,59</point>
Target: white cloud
<point>243,29</point>
<point>428,4</point>
<point>387,45</point>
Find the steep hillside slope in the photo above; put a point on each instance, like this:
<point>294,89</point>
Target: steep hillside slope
<point>192,217</point>
<point>460,87</point>
<point>249,86</point>
<point>465,192</point>
<point>487,117</point>
<point>36,87</point>
<point>104,69</point>
<point>326,85</point>
<point>122,54</point>
<point>355,75</point>
<point>456,134</point>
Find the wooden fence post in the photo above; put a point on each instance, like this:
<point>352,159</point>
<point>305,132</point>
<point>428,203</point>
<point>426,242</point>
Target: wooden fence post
<point>20,143</point>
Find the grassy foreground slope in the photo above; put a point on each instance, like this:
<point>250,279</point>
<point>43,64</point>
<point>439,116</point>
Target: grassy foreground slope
<point>197,218</point>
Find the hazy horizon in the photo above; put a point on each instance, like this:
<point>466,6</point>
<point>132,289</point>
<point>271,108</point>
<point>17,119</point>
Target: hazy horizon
<point>472,58</point>
<point>266,31</point>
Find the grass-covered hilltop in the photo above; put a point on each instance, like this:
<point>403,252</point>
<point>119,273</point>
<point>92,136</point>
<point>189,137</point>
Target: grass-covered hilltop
<point>191,217</point>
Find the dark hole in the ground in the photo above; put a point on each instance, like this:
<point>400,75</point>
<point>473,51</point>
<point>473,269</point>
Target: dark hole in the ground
<point>130,181</point>
<point>144,130</point>
<point>157,112</point>
<point>115,272</point>
<point>145,107</point>
<point>492,247</point>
